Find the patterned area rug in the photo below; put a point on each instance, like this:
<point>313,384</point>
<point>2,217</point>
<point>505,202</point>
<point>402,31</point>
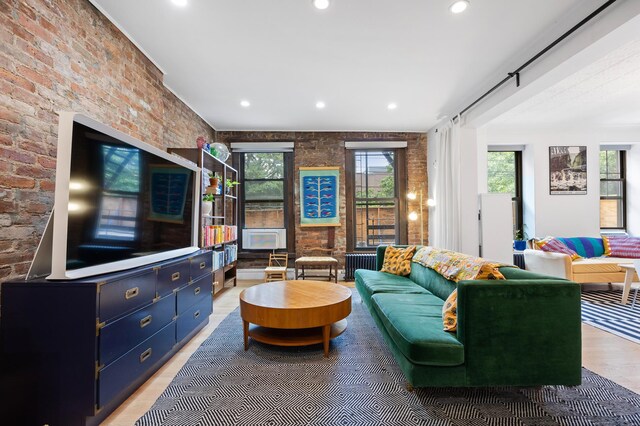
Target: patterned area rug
<point>602,309</point>
<point>360,384</point>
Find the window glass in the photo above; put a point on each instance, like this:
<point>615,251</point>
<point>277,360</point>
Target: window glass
<point>264,190</point>
<point>612,189</point>
<point>501,172</point>
<point>376,203</point>
<point>503,169</point>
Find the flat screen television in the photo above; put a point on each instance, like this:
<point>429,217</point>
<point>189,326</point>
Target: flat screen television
<point>119,203</point>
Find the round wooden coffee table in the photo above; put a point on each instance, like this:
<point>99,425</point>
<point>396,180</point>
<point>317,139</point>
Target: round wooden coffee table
<point>295,313</point>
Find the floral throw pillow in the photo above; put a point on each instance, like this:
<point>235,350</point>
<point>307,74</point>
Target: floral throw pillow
<point>397,261</point>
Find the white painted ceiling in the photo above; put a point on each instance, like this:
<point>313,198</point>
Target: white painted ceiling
<point>357,56</point>
<point>605,93</point>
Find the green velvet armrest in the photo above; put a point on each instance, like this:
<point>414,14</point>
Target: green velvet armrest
<point>520,332</point>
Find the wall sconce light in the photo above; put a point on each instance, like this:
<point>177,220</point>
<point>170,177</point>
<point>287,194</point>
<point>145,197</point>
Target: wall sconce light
<point>413,216</point>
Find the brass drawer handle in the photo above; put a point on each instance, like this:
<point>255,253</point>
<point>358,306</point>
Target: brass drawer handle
<point>131,293</point>
<point>145,355</point>
<point>196,314</point>
<point>175,276</point>
<point>202,265</point>
<point>196,291</point>
<point>145,321</point>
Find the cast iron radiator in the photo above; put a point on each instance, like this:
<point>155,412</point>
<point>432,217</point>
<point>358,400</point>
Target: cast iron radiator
<point>518,260</point>
<point>353,261</point>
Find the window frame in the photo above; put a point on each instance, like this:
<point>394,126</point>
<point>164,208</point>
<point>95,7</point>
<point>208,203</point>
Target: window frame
<point>288,200</point>
<point>400,187</point>
<point>623,181</point>
<point>517,198</point>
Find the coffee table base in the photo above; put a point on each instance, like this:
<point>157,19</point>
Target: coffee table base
<point>295,337</point>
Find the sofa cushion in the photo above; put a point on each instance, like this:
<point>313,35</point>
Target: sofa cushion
<point>585,246</point>
<point>598,265</point>
<point>621,246</point>
<point>414,323</point>
<point>554,245</point>
<point>374,282</point>
<point>397,260</point>
<point>431,280</point>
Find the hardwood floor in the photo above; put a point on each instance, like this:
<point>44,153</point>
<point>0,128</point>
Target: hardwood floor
<point>603,353</point>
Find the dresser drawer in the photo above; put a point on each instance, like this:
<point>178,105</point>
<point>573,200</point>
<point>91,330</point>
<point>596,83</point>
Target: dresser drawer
<point>122,296</point>
<point>195,291</point>
<point>120,336</point>
<point>201,265</point>
<point>115,377</point>
<point>192,317</point>
<point>173,276</point>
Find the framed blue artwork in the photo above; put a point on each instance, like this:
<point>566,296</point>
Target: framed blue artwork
<point>319,196</point>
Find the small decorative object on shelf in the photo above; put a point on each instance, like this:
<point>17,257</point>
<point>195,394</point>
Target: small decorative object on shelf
<point>201,142</point>
<point>229,184</point>
<point>220,151</point>
<point>214,181</point>
<point>207,204</point>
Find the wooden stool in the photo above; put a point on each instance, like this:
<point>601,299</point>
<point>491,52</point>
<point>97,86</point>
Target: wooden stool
<point>316,262</point>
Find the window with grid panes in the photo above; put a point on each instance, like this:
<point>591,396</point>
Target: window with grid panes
<point>612,189</point>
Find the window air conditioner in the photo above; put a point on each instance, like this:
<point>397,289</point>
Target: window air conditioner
<point>264,239</point>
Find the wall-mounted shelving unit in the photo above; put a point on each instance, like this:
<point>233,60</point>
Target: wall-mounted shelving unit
<point>218,229</point>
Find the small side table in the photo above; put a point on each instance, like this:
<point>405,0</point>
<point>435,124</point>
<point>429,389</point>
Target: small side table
<point>630,271</point>
<point>316,262</point>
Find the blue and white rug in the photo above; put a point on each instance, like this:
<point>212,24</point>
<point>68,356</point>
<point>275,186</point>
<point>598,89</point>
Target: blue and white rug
<point>602,309</point>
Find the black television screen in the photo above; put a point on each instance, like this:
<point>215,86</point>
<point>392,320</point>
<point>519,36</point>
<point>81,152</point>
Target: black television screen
<point>119,202</point>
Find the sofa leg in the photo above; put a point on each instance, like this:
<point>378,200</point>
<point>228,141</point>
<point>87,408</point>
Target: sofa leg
<point>410,387</point>
<point>610,286</point>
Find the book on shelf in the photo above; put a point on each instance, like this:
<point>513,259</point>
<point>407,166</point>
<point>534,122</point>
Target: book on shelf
<point>218,234</point>
<point>230,253</point>
<point>218,259</point>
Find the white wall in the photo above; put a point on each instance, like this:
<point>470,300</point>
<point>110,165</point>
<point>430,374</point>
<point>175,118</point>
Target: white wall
<point>566,215</point>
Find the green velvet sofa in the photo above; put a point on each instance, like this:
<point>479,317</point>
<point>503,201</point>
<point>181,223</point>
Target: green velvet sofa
<point>522,331</point>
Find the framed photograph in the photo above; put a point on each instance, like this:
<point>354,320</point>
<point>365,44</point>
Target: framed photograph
<point>319,196</point>
<point>567,170</point>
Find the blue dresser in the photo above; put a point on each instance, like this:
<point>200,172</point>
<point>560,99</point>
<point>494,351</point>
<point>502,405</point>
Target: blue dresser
<point>72,351</point>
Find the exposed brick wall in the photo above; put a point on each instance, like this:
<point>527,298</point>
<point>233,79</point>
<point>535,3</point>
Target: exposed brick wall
<point>64,55</point>
<point>317,149</point>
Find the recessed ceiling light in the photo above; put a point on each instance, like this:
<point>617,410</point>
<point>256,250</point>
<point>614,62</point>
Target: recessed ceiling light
<point>392,106</point>
<point>321,4</point>
<point>459,6</point>
<point>181,3</point>
<point>320,105</point>
<point>245,104</point>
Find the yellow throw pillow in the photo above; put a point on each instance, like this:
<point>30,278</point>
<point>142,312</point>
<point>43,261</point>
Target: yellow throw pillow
<point>397,261</point>
<point>488,271</point>
<point>450,312</point>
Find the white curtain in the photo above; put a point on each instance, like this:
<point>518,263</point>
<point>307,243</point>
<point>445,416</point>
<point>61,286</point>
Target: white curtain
<point>446,214</point>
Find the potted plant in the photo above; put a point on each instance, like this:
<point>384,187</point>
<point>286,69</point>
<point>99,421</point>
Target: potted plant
<point>214,181</point>
<point>520,240</point>
<point>207,204</point>
<point>229,184</point>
